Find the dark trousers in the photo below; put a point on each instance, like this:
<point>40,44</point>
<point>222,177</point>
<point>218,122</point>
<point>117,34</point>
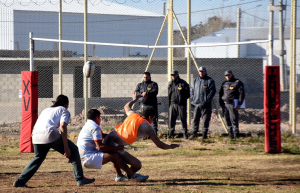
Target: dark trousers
<point>232,118</point>
<point>41,151</point>
<point>176,110</point>
<point>155,121</point>
<point>205,113</point>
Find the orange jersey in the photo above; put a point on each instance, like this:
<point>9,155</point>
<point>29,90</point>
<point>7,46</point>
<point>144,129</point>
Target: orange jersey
<point>127,130</point>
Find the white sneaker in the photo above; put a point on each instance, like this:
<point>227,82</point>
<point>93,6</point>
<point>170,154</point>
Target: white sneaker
<point>120,178</point>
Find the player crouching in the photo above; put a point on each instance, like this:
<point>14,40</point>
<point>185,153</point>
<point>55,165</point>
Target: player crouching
<point>94,153</point>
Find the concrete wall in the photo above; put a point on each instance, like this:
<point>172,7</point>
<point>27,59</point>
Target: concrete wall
<point>125,84</point>
<point>119,78</point>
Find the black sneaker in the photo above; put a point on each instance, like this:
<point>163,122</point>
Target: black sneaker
<point>85,181</point>
<point>18,184</point>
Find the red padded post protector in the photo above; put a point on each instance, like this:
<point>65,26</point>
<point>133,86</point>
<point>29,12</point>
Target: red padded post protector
<point>29,80</point>
<point>272,110</point>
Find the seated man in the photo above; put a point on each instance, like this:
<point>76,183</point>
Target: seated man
<point>135,127</point>
<point>94,153</point>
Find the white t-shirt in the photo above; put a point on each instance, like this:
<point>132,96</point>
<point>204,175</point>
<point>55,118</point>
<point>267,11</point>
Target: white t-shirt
<point>89,132</point>
<point>46,127</point>
<point>89,154</point>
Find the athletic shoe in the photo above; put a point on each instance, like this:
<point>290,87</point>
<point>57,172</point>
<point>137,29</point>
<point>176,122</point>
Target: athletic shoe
<point>139,177</point>
<point>18,184</point>
<point>146,176</point>
<point>85,181</point>
<point>120,178</point>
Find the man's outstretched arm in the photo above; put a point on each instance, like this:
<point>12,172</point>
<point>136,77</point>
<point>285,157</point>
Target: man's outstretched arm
<point>161,144</point>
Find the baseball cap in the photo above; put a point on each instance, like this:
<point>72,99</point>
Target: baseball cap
<point>227,72</point>
<point>174,72</point>
<point>202,68</point>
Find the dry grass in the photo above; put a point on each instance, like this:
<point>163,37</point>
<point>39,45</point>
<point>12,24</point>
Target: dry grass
<point>214,165</point>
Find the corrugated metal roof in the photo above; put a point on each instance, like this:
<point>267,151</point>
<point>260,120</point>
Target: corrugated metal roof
<point>247,33</point>
<point>75,6</point>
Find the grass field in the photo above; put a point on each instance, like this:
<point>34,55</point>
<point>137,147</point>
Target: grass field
<point>217,164</point>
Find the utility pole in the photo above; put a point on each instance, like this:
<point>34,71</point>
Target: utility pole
<point>85,81</point>
<point>271,24</point>
<point>238,32</point>
<point>188,59</point>
<point>282,52</point>
<point>170,38</point>
<point>60,47</point>
<point>293,66</point>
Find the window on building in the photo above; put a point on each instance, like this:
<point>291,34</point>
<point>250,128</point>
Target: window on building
<point>96,82</point>
<point>45,83</point>
<point>78,82</point>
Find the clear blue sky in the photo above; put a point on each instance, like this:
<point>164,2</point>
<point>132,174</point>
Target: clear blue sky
<point>255,11</point>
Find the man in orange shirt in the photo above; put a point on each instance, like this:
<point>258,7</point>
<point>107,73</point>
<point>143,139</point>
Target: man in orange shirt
<point>135,127</point>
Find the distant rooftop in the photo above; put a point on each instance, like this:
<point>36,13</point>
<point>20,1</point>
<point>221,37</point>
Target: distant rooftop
<point>247,33</point>
<point>102,7</point>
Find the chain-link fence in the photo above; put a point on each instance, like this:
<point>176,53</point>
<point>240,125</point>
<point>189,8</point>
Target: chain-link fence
<point>120,69</point>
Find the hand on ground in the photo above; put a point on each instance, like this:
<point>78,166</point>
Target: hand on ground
<point>173,146</point>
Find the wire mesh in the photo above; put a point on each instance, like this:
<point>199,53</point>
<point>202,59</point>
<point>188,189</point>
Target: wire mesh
<point>120,69</point>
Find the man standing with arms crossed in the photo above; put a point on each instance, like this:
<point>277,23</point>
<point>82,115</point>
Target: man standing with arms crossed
<point>148,91</point>
<point>202,94</point>
<point>231,97</point>
<point>178,93</point>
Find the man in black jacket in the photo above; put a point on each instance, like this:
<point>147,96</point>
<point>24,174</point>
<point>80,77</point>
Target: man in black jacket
<point>148,91</point>
<point>231,97</point>
<point>203,92</point>
<point>178,93</point>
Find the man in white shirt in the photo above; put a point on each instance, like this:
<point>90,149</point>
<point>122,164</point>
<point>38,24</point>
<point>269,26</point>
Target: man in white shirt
<point>94,153</point>
<point>45,135</point>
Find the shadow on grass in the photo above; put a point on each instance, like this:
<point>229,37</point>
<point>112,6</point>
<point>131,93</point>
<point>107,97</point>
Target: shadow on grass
<point>201,149</point>
<point>183,182</point>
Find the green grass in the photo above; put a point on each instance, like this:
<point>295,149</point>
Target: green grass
<point>288,138</point>
<point>291,148</point>
<point>215,165</point>
<point>137,145</point>
<point>255,149</point>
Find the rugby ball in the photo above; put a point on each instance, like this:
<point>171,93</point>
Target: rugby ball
<point>88,69</point>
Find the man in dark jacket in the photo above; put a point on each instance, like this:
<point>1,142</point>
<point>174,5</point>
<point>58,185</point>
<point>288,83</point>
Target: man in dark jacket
<point>203,92</point>
<point>148,91</point>
<point>231,97</point>
<point>178,93</point>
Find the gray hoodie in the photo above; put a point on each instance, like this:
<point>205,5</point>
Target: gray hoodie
<point>203,91</point>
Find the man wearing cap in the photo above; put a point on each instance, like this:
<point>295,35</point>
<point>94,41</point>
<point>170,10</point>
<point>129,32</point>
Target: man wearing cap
<point>178,93</point>
<point>202,93</point>
<point>148,91</point>
<point>231,90</point>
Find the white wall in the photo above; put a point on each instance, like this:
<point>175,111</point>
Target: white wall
<point>101,28</point>
<point>6,29</point>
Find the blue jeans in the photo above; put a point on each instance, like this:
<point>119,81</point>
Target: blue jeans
<point>41,151</point>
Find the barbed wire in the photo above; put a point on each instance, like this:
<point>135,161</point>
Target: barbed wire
<point>8,3</point>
